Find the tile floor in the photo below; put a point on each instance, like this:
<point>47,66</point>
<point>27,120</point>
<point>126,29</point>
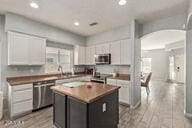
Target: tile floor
<point>163,108</point>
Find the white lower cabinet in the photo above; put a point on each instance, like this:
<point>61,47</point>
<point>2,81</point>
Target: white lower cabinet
<point>124,91</point>
<point>20,99</point>
<point>21,107</point>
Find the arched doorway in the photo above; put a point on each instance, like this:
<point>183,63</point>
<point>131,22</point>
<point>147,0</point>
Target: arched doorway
<point>168,94</point>
<point>165,47</point>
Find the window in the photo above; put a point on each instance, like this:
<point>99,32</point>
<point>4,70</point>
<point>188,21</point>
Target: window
<point>56,57</point>
<point>146,65</point>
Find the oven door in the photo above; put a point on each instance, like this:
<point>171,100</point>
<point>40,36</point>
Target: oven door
<point>102,59</point>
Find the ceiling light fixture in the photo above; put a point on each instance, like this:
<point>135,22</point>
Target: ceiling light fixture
<point>76,23</point>
<point>122,2</point>
<point>34,5</point>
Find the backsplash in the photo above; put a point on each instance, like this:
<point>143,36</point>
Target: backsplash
<point>109,69</point>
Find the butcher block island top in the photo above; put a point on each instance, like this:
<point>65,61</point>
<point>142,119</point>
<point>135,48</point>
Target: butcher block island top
<point>88,92</point>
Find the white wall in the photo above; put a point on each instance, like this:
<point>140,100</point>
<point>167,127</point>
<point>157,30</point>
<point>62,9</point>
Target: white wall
<point>24,25</point>
<point>175,45</point>
<point>110,36</point>
<point>188,87</point>
<point>160,63</point>
<point>135,64</point>
<point>109,69</point>
<point>1,29</point>
<point>174,22</point>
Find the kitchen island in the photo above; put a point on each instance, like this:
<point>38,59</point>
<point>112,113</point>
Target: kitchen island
<point>90,105</point>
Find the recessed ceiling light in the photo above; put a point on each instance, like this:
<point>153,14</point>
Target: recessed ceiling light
<point>122,2</point>
<point>76,23</point>
<point>34,5</point>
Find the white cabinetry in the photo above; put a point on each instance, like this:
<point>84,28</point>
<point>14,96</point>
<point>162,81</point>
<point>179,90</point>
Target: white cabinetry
<point>20,99</point>
<point>126,52</point>
<point>79,55</point>
<point>124,91</point>
<point>115,49</point>
<point>25,49</point>
<point>90,52</point>
<point>102,48</point>
<point>37,51</point>
<point>121,52</point>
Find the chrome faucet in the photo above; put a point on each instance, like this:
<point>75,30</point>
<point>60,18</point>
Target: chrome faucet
<point>60,69</point>
<point>94,71</point>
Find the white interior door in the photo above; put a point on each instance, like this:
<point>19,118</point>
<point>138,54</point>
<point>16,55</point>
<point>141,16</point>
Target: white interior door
<point>179,67</point>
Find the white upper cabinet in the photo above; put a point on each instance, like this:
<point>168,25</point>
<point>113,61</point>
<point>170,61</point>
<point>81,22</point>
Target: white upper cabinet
<point>102,48</point>
<point>115,49</point>
<point>90,52</point>
<point>37,51</point>
<point>17,49</point>
<point>126,52</point>
<point>79,55</point>
<point>25,49</point>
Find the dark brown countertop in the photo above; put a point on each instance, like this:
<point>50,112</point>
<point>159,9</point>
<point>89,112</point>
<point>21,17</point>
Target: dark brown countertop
<point>85,94</point>
<point>38,78</point>
<point>122,77</point>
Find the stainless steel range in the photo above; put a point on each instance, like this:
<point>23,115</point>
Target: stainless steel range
<point>100,78</point>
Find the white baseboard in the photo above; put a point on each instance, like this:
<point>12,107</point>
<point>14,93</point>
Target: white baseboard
<point>138,103</point>
<point>188,115</point>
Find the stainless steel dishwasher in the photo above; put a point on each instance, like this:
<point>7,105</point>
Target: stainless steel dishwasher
<point>42,94</point>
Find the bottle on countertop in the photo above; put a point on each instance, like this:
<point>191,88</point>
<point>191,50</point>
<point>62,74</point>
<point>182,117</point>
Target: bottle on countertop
<point>73,71</point>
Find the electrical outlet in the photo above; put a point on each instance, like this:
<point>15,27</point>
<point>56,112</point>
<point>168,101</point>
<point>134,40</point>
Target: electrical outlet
<point>104,107</point>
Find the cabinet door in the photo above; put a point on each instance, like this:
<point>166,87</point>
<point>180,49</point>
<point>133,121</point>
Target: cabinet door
<point>104,113</point>
<point>59,110</point>
<point>88,56</point>
<point>124,94</point>
<point>22,107</point>
<point>76,113</point>
<point>105,49</point>
<point>98,49</point>
<point>37,51</point>
<point>79,55</point>
<point>126,52</point>
<point>92,53</point>
<point>115,52</point>
<point>17,49</point>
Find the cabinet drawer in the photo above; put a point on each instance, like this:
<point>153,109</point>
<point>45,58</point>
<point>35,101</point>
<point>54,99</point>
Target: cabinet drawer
<point>22,95</point>
<point>112,81</point>
<point>123,82</point>
<point>22,87</point>
<point>22,107</point>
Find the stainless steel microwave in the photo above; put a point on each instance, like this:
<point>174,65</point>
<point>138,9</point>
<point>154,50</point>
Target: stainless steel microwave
<point>102,59</point>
